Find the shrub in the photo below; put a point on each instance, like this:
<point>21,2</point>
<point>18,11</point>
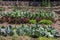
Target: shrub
<point>47,22</point>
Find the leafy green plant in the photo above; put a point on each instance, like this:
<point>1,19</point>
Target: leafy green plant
<point>55,33</point>
<point>46,3</point>
<point>25,16</point>
<point>3,31</point>
<point>2,9</point>
<point>9,30</point>
<point>25,20</point>
<point>47,15</point>
<point>47,22</point>
<point>38,19</point>
<point>32,21</point>
<point>23,30</point>
<point>34,31</point>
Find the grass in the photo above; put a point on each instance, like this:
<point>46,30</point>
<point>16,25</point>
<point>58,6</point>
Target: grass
<point>45,38</point>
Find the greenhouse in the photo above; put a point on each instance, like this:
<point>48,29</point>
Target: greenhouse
<point>29,19</point>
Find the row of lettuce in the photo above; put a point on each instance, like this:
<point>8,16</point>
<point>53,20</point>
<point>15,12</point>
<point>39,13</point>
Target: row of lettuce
<point>33,30</point>
<point>26,16</point>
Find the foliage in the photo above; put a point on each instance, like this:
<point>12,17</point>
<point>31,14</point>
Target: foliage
<point>27,14</point>
<point>47,15</point>
<point>46,3</point>
<point>23,30</point>
<point>47,22</point>
<point>2,9</point>
<point>33,31</point>
<point>32,21</point>
<point>6,31</point>
<point>3,31</point>
<point>25,20</point>
<point>45,38</point>
<point>18,17</point>
<point>9,30</point>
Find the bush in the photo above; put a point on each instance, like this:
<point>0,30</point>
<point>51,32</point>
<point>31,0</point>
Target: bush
<point>32,21</point>
<point>47,22</point>
<point>45,38</point>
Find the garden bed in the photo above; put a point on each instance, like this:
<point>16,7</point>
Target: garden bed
<point>15,37</point>
<point>30,24</point>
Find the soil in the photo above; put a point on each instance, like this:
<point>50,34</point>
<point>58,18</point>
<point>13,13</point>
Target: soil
<point>55,25</point>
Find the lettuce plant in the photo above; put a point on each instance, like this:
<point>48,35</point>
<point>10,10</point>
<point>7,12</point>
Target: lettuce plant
<point>32,21</point>
<point>33,31</point>
<point>9,31</point>
<point>47,22</point>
